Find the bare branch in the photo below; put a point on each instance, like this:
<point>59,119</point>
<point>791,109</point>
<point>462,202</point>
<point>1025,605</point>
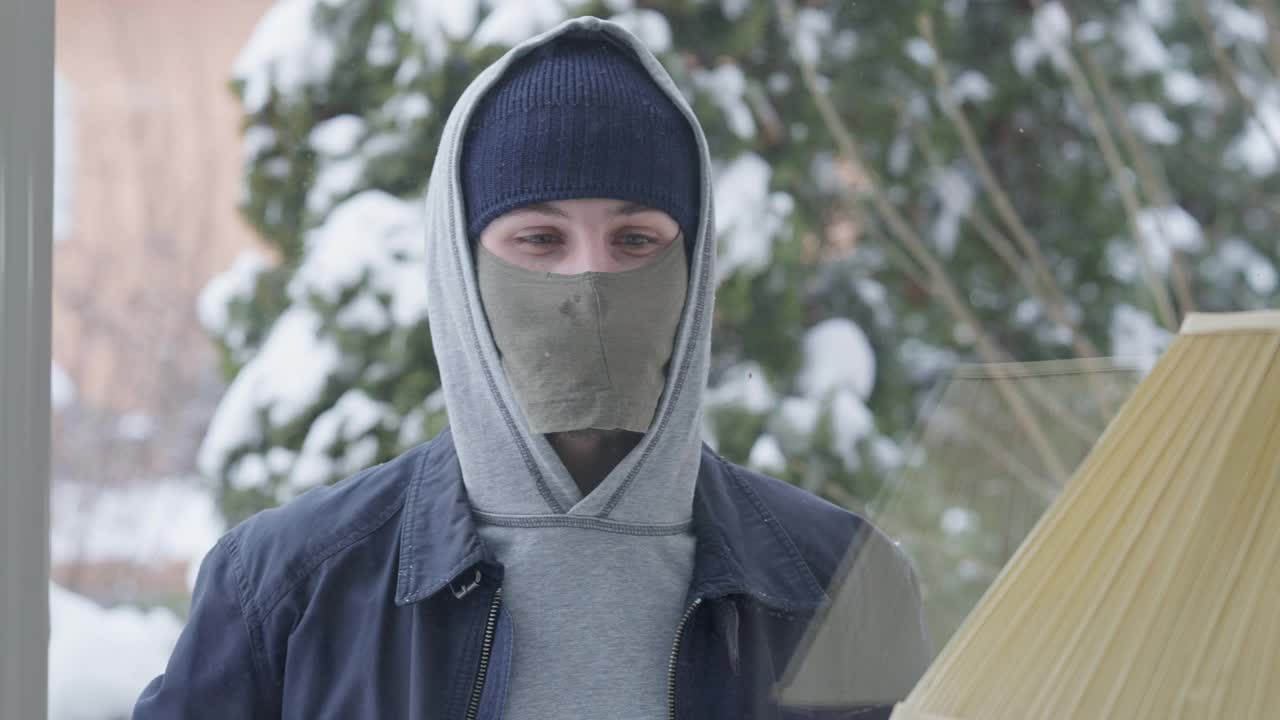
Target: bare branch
<point>941,286</point>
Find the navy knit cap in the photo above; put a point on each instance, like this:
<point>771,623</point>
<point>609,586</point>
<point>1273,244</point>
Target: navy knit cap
<point>579,117</point>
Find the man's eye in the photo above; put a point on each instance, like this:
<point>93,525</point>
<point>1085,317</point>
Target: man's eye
<point>638,240</point>
<point>537,239</point>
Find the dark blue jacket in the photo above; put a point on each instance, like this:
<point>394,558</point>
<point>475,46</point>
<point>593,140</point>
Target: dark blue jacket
<point>375,598</point>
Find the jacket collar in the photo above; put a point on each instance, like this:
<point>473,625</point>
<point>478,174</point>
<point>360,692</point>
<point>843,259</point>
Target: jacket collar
<point>741,549</point>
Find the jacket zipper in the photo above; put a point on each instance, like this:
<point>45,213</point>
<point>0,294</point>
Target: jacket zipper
<point>675,655</point>
<point>486,648</point>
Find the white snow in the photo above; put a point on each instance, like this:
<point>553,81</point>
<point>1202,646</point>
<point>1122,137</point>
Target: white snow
<point>958,520</point>
<point>408,109</point>
<point>1135,334</point>
<point>364,313</point>
<point>100,659</point>
<point>971,86</point>
<point>766,455</point>
<point>409,70</point>
<point>382,46</point>
<point>284,378</point>
<point>284,52</point>
<point>837,355</point>
<point>749,216</point>
<point>648,25</point>
<point>64,157</point>
<point>62,389</point>
<point>1091,31</point>
<point>1254,149</point>
<point>373,235</point>
<point>1051,27</point>
<point>250,471</point>
<point>514,21</point>
<point>1050,37</point>
<point>851,423</point>
<point>924,361</point>
<point>812,32</point>
<point>745,386</point>
<point>799,415</point>
<point>1158,12</point>
<point>886,453</point>
<point>1152,125</point>
<point>135,426</point>
<point>734,9</point>
<point>1144,51</point>
<point>778,82</point>
<point>256,141</point>
<point>920,52</point>
<point>1027,312</point>
<point>280,459</point>
<point>338,135</point>
<point>956,196</point>
<point>900,153</point>
<point>956,8</point>
<point>348,422</point>
<point>434,22</point>
<point>1165,229</point>
<point>1235,21</point>
<point>1027,54</point>
<point>333,181</point>
<point>142,523</point>
<point>727,87</point>
<point>235,283</point>
<point>1182,87</point>
<point>1238,256</point>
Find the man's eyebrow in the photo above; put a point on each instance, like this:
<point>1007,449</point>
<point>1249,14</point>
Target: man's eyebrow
<point>542,209</point>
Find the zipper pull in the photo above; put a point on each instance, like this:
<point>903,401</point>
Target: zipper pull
<point>462,592</point>
<point>728,621</point>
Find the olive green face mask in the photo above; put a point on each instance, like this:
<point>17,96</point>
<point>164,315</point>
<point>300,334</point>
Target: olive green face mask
<point>587,350</point>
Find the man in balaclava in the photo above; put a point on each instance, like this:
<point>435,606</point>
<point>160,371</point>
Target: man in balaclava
<point>568,547</point>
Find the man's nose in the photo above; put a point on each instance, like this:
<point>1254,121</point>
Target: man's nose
<point>592,255</point>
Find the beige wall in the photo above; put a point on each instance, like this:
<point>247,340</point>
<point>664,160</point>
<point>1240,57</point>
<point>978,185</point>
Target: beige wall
<point>157,181</point>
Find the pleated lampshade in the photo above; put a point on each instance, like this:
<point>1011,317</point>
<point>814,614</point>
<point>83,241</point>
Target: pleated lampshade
<point>1151,587</point>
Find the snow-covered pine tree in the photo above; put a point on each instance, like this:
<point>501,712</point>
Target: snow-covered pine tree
<point>898,187</point>
<point>328,352</point>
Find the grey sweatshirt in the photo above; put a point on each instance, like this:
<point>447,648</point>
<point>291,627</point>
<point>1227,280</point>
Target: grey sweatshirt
<point>594,585</point>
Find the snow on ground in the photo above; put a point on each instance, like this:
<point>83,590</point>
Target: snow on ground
<point>62,389</point>
<point>143,524</point>
<point>100,659</point>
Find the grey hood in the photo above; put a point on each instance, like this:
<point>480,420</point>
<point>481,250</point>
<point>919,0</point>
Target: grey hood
<point>507,469</point>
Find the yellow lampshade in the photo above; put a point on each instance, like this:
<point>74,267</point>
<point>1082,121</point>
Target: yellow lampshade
<point>1151,586</point>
